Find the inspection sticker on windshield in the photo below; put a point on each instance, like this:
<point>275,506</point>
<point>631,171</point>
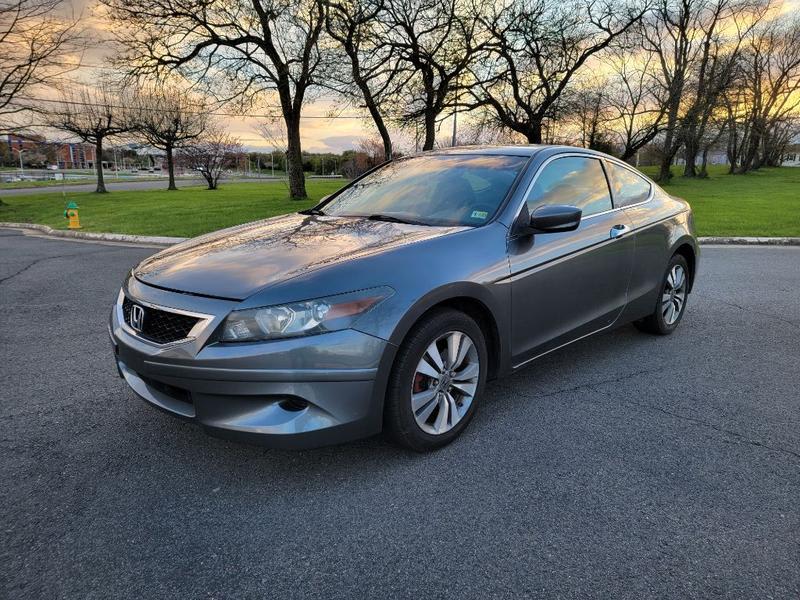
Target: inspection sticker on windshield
<point>479,214</point>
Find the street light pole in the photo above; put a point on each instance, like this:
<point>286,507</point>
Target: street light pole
<point>21,168</point>
<point>455,120</point>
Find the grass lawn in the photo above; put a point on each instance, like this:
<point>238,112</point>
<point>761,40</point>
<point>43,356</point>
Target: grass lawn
<point>764,203</point>
<point>187,212</point>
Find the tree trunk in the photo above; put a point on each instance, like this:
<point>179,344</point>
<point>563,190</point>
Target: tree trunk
<point>382,129</point>
<point>748,158</point>
<point>294,160</point>
<point>98,163</point>
<point>664,169</point>
<point>371,105</point>
<point>387,140</point>
<point>534,133</point>
<point>731,149</point>
<point>691,151</point>
<point>430,130</point>
<point>704,164</point>
<point>170,168</point>
<point>670,147</point>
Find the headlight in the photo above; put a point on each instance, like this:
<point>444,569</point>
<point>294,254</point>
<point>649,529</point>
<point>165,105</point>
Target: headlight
<point>301,318</point>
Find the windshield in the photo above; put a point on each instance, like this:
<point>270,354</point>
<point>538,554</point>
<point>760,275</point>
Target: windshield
<point>464,189</point>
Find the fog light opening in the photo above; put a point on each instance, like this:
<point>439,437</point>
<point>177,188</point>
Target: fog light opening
<point>293,404</point>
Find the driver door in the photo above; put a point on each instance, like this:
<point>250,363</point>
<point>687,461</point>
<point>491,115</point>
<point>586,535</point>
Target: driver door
<point>567,285</point>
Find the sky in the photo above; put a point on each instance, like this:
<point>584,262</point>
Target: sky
<point>318,133</point>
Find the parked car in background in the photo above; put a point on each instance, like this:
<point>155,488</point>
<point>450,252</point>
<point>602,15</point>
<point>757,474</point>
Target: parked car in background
<point>390,304</point>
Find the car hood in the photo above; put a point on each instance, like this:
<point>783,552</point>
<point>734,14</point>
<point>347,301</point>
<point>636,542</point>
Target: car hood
<point>237,262</point>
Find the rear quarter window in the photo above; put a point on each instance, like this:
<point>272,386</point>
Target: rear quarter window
<point>627,187</point>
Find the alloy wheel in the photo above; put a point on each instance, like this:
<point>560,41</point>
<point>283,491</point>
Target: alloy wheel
<point>445,382</point>
<point>673,298</point>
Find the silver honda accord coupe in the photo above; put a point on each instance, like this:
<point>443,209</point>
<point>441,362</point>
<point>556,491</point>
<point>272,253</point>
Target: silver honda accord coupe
<point>389,305</point>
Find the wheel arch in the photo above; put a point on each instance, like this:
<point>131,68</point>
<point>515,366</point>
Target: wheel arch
<point>687,249</point>
<point>473,300</point>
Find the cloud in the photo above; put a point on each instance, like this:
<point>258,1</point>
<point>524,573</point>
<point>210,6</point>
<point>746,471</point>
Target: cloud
<point>338,143</point>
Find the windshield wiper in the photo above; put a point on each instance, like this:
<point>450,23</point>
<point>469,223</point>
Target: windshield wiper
<point>312,211</point>
<point>393,219</point>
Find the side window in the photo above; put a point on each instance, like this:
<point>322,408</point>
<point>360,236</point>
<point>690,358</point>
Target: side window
<point>629,188</point>
<point>572,180</point>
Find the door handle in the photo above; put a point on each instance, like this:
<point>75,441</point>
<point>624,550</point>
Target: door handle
<point>617,231</point>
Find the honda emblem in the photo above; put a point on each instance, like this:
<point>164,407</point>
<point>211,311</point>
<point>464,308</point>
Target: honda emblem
<point>137,317</point>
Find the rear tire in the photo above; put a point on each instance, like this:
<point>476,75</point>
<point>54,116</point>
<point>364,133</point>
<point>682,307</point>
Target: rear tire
<point>437,381</point>
<point>671,301</point>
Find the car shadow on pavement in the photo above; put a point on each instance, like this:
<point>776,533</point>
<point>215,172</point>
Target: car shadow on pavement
<point>510,408</point>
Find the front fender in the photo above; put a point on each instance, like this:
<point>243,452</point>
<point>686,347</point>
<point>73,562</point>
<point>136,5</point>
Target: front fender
<point>492,302</point>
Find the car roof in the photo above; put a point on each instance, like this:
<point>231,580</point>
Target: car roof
<point>528,150</point>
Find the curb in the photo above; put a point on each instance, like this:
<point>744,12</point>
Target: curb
<point>144,240</point>
<point>750,241</point>
<point>169,241</point>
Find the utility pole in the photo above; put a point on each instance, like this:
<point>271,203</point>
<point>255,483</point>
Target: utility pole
<point>455,120</point>
<point>272,161</point>
<point>21,168</point>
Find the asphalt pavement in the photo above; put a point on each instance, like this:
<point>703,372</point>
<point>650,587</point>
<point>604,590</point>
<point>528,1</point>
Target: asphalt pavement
<point>623,466</point>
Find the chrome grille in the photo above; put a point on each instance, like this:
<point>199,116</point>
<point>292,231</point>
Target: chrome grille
<point>159,326</point>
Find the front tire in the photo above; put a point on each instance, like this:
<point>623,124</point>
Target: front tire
<point>671,301</point>
<point>437,381</point>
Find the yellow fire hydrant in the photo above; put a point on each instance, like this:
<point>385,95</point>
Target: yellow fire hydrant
<point>72,214</point>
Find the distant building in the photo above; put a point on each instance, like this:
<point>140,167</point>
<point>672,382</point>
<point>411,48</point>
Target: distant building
<point>75,156</point>
<point>26,143</point>
<point>791,158</point>
<point>65,155</point>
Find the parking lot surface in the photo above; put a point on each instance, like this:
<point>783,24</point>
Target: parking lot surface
<point>625,466</point>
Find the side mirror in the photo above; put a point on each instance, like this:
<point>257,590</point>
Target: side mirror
<point>552,218</point>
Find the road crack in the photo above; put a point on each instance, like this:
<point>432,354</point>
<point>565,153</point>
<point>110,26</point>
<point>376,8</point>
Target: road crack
<point>757,312</point>
<point>595,386</point>
<point>695,420</point>
<point>701,422</point>
<point>46,258</point>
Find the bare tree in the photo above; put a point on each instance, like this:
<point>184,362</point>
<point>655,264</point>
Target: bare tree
<point>33,44</point>
<point>274,132</point>
<point>211,155</point>
<point>635,110</point>
<point>370,76</point>
<point>438,40</point>
<point>727,26</point>
<point>586,109</point>
<point>695,43</point>
<point>169,119</point>
<point>713,131</point>
<point>248,50</point>
<point>763,106</point>
<point>93,115</point>
<point>537,48</point>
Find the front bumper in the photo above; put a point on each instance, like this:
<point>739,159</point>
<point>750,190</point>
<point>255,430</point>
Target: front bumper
<point>293,393</point>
